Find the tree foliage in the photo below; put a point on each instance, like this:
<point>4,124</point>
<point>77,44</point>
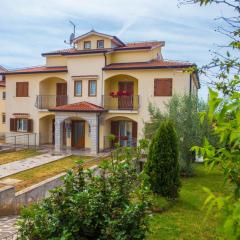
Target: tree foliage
<point>224,116</point>
<point>111,205</point>
<point>183,111</point>
<point>162,165</point>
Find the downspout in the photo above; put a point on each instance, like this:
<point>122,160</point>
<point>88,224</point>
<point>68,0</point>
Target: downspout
<point>190,84</point>
<point>105,63</point>
<point>98,138</point>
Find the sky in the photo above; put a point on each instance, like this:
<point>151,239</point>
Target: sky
<point>31,27</point>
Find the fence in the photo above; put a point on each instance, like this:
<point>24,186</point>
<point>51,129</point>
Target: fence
<point>20,141</point>
<point>124,142</point>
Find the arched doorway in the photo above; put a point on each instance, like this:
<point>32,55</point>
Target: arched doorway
<point>123,129</point>
<point>121,92</point>
<point>52,93</point>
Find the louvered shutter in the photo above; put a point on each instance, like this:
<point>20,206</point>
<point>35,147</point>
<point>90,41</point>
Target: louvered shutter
<point>30,125</point>
<point>163,87</point>
<point>134,133</point>
<point>115,129</point>
<point>13,124</point>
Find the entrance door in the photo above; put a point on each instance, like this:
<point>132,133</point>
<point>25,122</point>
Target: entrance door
<point>61,97</point>
<point>126,101</point>
<point>78,134</point>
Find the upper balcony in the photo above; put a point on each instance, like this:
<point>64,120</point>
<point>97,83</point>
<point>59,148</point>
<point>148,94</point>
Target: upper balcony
<point>121,93</point>
<point>52,93</point>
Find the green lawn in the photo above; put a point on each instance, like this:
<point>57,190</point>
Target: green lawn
<point>17,155</point>
<point>38,174</point>
<point>185,219</point>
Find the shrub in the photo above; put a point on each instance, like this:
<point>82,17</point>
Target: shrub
<point>162,165</point>
<point>184,113</point>
<point>108,206</point>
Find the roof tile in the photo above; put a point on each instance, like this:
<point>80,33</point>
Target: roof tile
<point>79,107</point>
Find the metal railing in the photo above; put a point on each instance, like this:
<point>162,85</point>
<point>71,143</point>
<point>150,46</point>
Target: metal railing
<point>49,101</point>
<point>121,102</point>
<point>123,141</point>
<point>20,141</point>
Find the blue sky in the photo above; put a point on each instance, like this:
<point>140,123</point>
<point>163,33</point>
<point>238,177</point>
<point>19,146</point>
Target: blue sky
<point>31,27</point>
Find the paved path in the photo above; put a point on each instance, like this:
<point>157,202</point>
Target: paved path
<point>7,227</point>
<point>27,163</point>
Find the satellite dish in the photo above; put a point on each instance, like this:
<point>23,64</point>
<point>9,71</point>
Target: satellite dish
<point>72,36</point>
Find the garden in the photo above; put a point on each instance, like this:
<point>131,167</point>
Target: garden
<point>171,196</point>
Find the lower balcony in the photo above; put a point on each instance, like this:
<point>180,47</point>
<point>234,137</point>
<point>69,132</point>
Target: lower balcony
<point>50,101</point>
<point>121,102</point>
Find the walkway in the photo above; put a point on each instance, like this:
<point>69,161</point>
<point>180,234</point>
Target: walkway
<point>7,227</point>
<point>28,163</point>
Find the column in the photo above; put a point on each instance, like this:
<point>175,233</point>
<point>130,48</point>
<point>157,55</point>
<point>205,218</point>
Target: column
<point>58,135</point>
<point>94,134</point>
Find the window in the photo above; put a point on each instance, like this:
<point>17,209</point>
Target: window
<point>92,88</point>
<point>163,87</point>
<point>3,118</point>
<point>78,88</point>
<point>22,125</point>
<point>87,44</point>
<point>100,43</point>
<point>3,95</point>
<point>22,89</point>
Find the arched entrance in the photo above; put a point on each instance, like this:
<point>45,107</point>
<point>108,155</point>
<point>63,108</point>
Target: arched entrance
<point>52,93</point>
<point>121,92</point>
<point>124,130</point>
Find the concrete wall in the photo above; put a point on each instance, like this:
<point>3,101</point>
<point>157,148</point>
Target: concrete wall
<point>11,202</point>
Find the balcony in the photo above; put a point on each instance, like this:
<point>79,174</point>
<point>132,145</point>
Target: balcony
<point>121,102</point>
<point>50,101</point>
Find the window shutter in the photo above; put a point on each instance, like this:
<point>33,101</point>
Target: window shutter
<point>115,129</point>
<point>163,87</point>
<point>22,89</point>
<point>30,125</point>
<point>134,133</point>
<point>13,124</point>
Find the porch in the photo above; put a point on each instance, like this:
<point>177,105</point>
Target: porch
<point>121,93</point>
<point>76,127</point>
<point>52,93</point>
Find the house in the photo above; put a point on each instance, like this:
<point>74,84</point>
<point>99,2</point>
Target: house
<point>100,86</point>
<point>2,102</point>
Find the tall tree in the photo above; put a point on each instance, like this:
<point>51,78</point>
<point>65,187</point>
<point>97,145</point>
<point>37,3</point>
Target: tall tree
<point>162,165</point>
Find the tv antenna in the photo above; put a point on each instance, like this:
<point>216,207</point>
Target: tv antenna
<point>72,35</point>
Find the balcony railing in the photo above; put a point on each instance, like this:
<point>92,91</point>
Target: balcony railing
<point>122,141</point>
<point>121,102</point>
<point>50,101</point>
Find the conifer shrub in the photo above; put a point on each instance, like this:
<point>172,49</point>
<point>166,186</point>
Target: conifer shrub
<point>162,166</point>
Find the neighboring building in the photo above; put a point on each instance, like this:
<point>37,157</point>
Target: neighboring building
<point>101,86</point>
<point>2,102</point>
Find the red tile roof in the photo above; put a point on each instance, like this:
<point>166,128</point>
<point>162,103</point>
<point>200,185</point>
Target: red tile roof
<point>128,46</point>
<point>154,64</point>
<point>40,69</point>
<point>79,107</point>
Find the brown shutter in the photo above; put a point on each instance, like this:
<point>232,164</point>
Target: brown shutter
<point>134,132</point>
<point>22,89</point>
<point>30,125</point>
<point>13,124</point>
<point>115,129</point>
<point>163,87</point>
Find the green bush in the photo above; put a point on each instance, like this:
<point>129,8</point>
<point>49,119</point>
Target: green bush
<point>108,206</point>
<point>184,113</point>
<point>162,165</point>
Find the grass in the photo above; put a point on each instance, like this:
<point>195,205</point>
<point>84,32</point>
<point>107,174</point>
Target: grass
<point>17,155</point>
<point>38,174</point>
<point>185,219</point>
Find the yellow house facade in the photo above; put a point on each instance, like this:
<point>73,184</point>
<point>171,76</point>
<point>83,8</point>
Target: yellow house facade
<point>98,87</point>
<point>2,103</point>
